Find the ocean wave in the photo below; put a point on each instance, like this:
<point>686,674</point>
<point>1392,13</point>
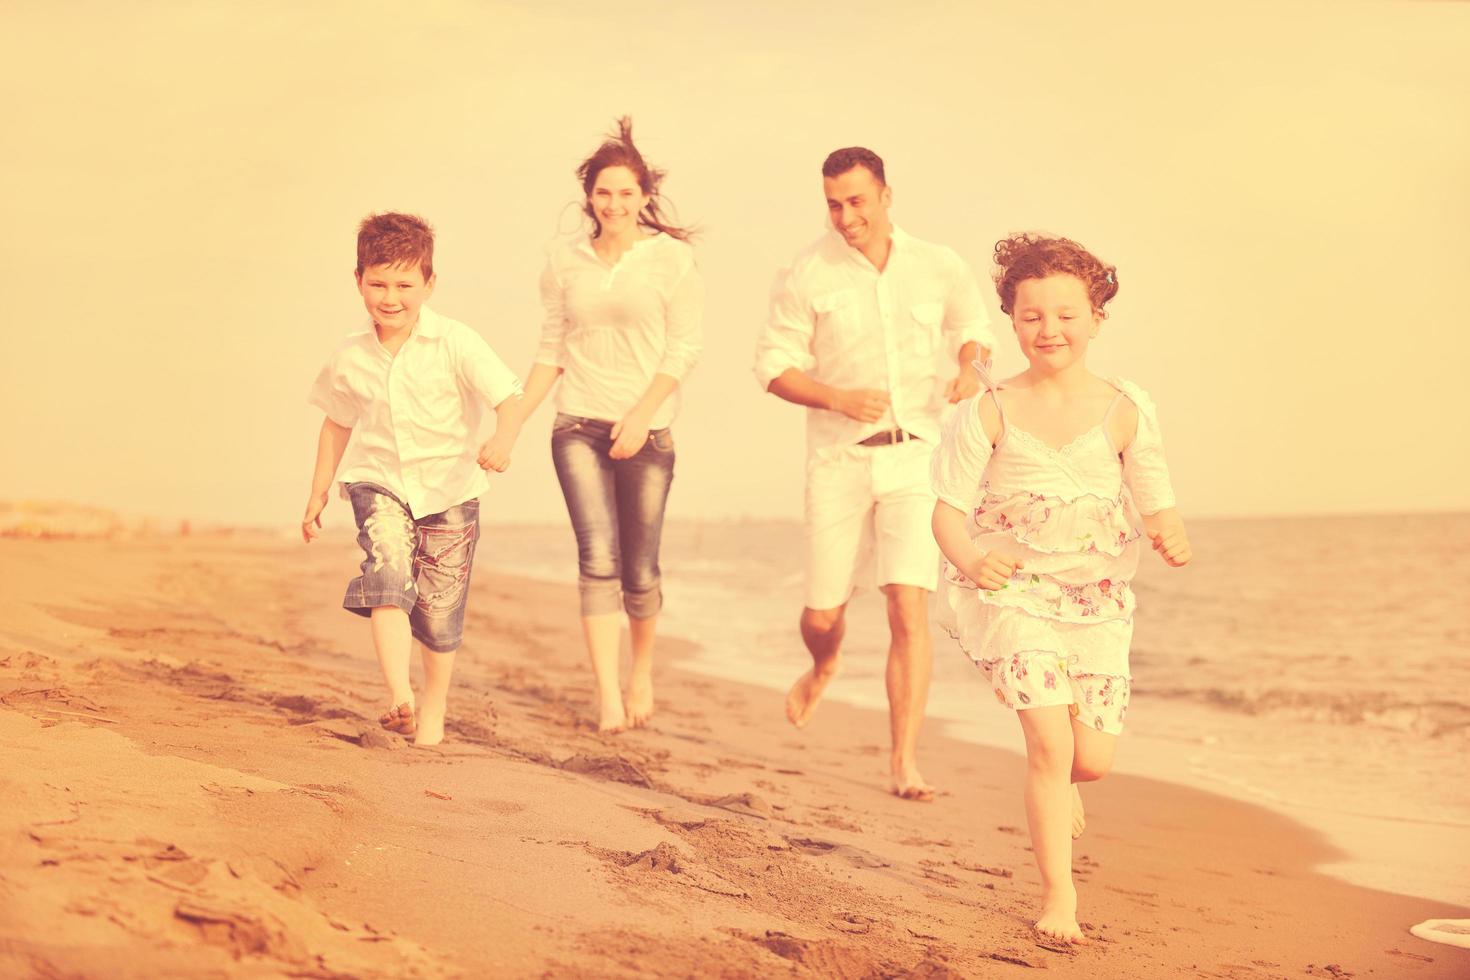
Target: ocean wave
<point>1431,719</point>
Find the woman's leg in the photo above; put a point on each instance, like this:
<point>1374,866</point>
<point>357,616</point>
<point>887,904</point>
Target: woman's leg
<point>1049,756</point>
<point>642,490</point>
<point>579,452</point>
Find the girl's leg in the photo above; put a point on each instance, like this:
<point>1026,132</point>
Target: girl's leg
<point>1049,756</point>
<point>438,669</point>
<point>1092,759</point>
<point>642,490</point>
<point>579,451</point>
<point>393,642</point>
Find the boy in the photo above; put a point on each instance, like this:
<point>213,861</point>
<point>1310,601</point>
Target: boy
<point>412,384</point>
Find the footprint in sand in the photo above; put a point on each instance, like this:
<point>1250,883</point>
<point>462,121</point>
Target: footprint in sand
<point>855,856</point>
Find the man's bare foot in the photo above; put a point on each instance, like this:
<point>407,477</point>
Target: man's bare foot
<point>806,693</point>
<point>639,705</point>
<point>399,719</point>
<point>431,726</point>
<point>1059,918</point>
<point>1079,816</point>
<point>909,785</point>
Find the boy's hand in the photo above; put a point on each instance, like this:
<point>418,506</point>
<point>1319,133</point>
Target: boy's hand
<point>628,436</point>
<point>311,524</point>
<point>495,454</point>
<point>994,571</point>
<point>1172,545</point>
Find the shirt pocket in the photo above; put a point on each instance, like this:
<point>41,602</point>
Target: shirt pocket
<point>836,316</point>
<point>928,323</point>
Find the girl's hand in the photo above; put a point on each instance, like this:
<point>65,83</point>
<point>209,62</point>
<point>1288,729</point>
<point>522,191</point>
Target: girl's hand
<point>1172,545</point>
<point>495,454</point>
<point>629,436</point>
<point>311,524</point>
<point>994,571</point>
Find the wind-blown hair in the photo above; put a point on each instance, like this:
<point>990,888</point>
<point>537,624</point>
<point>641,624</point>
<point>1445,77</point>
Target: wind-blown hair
<point>618,150</point>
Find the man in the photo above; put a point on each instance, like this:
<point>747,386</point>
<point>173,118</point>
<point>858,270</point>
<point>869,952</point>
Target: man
<point>865,325</point>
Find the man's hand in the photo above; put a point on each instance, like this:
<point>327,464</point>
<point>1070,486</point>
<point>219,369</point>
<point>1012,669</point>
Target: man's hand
<point>862,404</point>
<point>629,435</point>
<point>1172,544</point>
<point>311,524</point>
<point>962,385</point>
<point>994,571</point>
<point>495,454</point>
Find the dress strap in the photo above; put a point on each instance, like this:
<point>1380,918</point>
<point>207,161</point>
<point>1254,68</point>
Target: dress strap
<point>982,368</point>
<point>1108,417</point>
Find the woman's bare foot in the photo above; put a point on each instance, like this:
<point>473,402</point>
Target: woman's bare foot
<point>1079,816</point>
<point>806,693</point>
<point>612,718</point>
<point>1059,917</point>
<point>639,705</point>
<point>909,785</point>
<point>399,719</point>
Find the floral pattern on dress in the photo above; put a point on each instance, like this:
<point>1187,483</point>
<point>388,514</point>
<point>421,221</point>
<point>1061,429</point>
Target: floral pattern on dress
<point>1026,680</point>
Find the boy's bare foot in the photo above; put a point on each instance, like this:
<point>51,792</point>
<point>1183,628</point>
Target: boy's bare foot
<point>806,693</point>
<point>399,719</point>
<point>430,726</point>
<point>1079,816</point>
<point>1059,917</point>
<point>639,706</point>
<point>909,785</point>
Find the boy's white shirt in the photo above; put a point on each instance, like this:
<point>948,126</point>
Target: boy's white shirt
<point>415,416</point>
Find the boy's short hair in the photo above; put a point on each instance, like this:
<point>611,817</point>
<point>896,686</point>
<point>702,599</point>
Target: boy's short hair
<point>392,238</point>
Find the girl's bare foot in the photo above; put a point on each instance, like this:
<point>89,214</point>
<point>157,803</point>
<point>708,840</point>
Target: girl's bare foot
<point>640,698</point>
<point>805,694</point>
<point>1059,917</point>
<point>1079,816</point>
<point>399,719</point>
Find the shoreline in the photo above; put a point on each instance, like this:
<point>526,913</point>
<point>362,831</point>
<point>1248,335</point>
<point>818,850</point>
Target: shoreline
<point>197,793</point>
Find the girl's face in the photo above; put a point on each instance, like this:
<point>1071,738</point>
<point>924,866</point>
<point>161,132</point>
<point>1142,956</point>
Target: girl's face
<point>616,200</point>
<point>1054,321</point>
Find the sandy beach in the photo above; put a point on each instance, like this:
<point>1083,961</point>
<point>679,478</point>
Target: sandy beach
<point>197,787</point>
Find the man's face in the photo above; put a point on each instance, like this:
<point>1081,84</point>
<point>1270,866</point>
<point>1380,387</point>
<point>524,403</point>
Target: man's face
<point>858,205</point>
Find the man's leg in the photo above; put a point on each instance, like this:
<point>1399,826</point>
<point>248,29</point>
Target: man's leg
<point>821,631</point>
<point>910,661</point>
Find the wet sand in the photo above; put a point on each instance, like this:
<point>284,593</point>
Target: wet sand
<point>196,785</point>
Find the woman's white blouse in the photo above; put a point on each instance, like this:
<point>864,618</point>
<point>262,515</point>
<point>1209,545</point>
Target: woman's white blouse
<point>612,327</point>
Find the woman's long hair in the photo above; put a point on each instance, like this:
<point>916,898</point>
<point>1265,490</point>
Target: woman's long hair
<point>618,151</point>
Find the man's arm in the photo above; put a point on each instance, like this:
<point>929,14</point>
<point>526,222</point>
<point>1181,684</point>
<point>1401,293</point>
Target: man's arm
<point>799,388</point>
<point>330,444</point>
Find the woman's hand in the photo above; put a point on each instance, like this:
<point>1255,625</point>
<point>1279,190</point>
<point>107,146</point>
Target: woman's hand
<point>629,435</point>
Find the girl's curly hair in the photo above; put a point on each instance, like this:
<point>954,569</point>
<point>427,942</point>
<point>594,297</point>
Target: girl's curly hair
<point>1029,255</point>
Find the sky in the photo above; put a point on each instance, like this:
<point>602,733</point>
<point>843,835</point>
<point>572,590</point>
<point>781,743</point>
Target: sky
<point>1283,187</point>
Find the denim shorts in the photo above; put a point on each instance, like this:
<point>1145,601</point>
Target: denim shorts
<point>617,512</point>
<point>420,566</point>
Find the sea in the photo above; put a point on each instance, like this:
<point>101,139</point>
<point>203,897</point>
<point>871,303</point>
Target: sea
<point>1316,666</point>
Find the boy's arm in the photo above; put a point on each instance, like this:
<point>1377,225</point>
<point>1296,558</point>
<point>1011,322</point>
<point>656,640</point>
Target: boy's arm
<point>1166,530</point>
<point>330,444</point>
<point>510,415</point>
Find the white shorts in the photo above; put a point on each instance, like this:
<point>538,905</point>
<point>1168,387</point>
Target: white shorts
<point>868,517</point>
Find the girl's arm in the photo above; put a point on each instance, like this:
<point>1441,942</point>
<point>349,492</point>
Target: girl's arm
<point>330,444</point>
<point>1146,472</point>
<point>957,471</point>
<point>987,569</point>
<point>1166,530</point>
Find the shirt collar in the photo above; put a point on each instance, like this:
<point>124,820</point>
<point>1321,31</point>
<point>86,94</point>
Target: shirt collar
<point>899,237</point>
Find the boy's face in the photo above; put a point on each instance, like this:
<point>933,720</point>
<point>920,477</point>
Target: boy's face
<point>394,293</point>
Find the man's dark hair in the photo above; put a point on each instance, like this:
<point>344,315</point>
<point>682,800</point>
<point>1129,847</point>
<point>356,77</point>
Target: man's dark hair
<point>843,160</point>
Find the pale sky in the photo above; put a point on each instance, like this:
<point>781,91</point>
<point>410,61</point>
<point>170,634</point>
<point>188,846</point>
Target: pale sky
<point>1282,186</point>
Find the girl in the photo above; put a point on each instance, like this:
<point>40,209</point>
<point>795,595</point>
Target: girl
<point>623,304</point>
<point>1041,543</point>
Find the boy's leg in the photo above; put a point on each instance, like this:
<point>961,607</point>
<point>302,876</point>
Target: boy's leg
<point>1049,756</point>
<point>385,592</point>
<point>443,563</point>
<point>641,484</point>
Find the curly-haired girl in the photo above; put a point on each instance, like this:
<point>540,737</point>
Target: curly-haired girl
<point>1042,542</point>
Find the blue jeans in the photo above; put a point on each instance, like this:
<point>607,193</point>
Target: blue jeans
<point>617,512</point>
<point>421,566</point>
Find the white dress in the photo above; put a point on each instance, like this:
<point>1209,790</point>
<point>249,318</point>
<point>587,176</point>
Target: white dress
<point>1071,516</point>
